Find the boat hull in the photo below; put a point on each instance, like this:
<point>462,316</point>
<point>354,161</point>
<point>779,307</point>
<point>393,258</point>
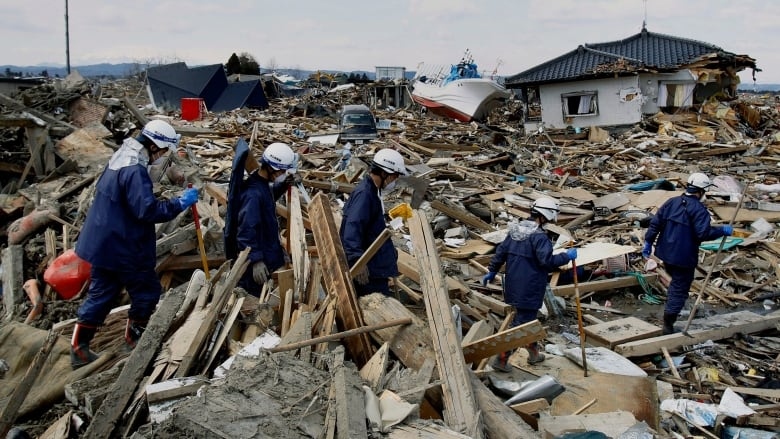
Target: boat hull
<point>463,99</point>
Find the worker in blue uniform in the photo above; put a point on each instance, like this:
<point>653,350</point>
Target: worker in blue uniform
<point>527,252</point>
<point>680,226</point>
<point>118,238</point>
<point>364,220</point>
<point>251,220</point>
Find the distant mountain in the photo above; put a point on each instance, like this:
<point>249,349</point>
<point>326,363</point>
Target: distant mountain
<point>125,69</point>
<point>757,88</point>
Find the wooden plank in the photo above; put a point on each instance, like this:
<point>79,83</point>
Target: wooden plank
<point>461,215</point>
<point>107,417</point>
<point>286,311</point>
<point>503,341</point>
<point>478,331</point>
<point>13,278</point>
<point>615,332</point>
<point>497,306</point>
<point>336,278</point>
<point>224,332</point>
<point>531,407</point>
<point>298,253</point>
<point>602,285</point>
<point>370,252</point>
<point>460,410</point>
<point>407,266</point>
<point>173,388</point>
<point>710,328</point>
<point>373,372</point>
<point>350,407</point>
<point>339,335</point>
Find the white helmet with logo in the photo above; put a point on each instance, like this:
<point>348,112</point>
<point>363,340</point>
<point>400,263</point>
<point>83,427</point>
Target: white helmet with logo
<point>390,161</point>
<point>279,156</point>
<point>162,134</point>
<point>698,181</point>
<point>547,207</point>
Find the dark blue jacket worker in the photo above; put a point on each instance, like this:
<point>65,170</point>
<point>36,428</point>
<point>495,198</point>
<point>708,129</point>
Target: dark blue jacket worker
<point>680,226</point>
<point>118,238</point>
<point>255,224</point>
<point>527,252</point>
<point>364,220</point>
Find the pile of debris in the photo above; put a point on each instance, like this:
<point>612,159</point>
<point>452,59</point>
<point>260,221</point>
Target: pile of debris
<point>311,359</point>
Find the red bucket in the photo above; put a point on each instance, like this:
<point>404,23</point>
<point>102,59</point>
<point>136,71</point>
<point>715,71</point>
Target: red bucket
<point>67,274</point>
<point>191,108</point>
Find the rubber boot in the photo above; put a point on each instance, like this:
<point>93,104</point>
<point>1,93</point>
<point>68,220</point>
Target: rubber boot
<point>669,320</point>
<point>501,362</point>
<point>80,355</point>
<point>534,356</point>
<point>133,331</point>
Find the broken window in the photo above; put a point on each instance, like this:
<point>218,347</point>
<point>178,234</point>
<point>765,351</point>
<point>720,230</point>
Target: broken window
<point>679,95</point>
<point>580,104</point>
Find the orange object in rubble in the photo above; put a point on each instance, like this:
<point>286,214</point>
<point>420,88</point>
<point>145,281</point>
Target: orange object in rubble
<point>68,274</point>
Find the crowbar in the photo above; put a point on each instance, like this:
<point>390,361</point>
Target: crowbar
<point>201,245</point>
<point>712,266</point>
<point>579,316</point>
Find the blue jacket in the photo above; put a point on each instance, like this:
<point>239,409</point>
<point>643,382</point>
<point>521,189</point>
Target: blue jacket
<point>680,226</point>
<point>118,233</point>
<point>529,258</point>
<point>363,220</point>
<point>257,225</point>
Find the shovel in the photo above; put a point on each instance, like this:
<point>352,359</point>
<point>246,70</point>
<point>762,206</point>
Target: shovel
<point>579,316</point>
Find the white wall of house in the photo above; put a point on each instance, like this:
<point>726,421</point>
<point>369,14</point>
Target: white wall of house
<point>618,100</point>
<point>649,84</point>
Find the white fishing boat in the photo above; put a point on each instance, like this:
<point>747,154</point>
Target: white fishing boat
<point>463,94</point>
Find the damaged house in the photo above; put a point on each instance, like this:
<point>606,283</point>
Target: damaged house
<point>169,84</point>
<point>617,82</point>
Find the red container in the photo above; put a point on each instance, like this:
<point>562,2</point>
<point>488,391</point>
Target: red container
<point>191,108</point>
<point>67,274</point>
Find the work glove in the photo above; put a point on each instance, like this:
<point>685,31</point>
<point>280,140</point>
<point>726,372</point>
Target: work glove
<point>571,253</point>
<point>361,277</point>
<point>647,249</point>
<point>188,198</point>
<point>486,279</point>
<point>260,272</point>
<point>727,230</point>
<point>293,177</point>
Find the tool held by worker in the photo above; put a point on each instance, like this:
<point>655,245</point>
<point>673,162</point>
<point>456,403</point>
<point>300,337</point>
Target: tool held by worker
<point>201,245</point>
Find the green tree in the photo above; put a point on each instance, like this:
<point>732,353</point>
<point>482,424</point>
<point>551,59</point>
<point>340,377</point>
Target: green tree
<point>249,65</point>
<point>233,64</point>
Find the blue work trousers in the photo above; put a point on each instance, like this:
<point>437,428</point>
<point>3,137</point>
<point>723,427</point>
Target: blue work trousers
<point>677,293</point>
<point>143,287</point>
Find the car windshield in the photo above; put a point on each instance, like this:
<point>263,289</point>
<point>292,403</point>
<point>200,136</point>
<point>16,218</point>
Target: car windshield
<point>357,120</point>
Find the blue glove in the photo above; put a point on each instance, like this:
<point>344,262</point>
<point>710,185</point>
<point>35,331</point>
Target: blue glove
<point>647,249</point>
<point>488,277</point>
<point>571,253</point>
<point>188,198</point>
<point>727,230</point>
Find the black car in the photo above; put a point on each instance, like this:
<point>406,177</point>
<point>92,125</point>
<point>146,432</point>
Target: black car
<point>357,124</point>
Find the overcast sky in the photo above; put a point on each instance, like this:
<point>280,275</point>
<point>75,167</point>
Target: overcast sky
<point>361,34</point>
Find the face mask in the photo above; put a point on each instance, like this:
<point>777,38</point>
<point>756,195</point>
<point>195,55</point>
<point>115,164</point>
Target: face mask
<point>281,178</point>
<point>389,188</point>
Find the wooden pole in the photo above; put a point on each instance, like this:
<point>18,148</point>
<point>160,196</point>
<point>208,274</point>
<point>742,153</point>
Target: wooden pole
<point>579,316</point>
<point>340,335</point>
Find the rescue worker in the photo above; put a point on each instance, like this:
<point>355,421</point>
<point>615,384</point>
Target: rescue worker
<point>118,238</point>
<point>364,220</point>
<point>251,220</point>
<point>527,252</point>
<point>680,226</point>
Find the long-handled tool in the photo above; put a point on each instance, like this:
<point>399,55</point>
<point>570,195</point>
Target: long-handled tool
<point>201,245</point>
<point>579,316</point>
<point>712,266</point>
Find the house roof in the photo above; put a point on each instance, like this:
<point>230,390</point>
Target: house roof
<point>191,79</point>
<point>644,52</point>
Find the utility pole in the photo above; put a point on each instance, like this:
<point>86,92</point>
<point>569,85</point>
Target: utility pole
<point>67,39</point>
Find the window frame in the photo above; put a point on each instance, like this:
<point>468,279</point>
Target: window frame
<point>594,104</point>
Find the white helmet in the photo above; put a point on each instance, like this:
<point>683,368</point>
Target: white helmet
<point>390,161</point>
<point>699,181</point>
<point>547,207</point>
<point>162,134</point>
<point>279,156</point>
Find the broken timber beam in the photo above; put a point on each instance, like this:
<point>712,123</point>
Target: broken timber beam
<point>711,328</point>
<point>370,252</point>
<point>461,215</point>
<point>460,409</point>
<point>602,285</point>
<point>340,335</point>
<point>335,276</point>
<point>503,341</point>
<point>110,411</point>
